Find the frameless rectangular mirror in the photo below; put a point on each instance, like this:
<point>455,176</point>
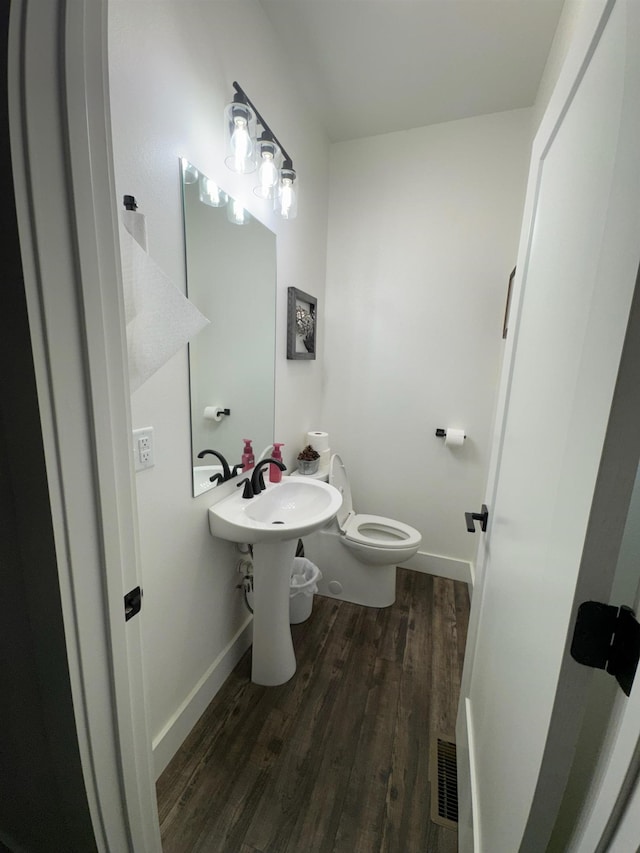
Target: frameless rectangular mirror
<point>231,278</point>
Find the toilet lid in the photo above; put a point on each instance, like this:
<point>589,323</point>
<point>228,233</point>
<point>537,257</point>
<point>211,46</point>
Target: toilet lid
<point>338,478</point>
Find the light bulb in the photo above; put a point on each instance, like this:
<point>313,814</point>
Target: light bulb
<point>268,171</point>
<point>239,131</point>
<point>287,201</point>
<point>211,194</point>
<point>286,197</point>
<point>236,212</point>
<point>240,143</point>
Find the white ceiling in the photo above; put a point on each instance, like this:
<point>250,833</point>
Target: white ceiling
<point>375,66</point>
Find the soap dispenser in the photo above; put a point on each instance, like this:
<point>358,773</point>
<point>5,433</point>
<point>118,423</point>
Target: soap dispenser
<point>275,474</point>
<point>248,459</point>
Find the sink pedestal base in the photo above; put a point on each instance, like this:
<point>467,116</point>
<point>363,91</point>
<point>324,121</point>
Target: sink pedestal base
<point>273,661</point>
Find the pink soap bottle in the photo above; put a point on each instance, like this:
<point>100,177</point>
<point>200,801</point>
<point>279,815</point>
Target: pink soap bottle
<point>275,474</point>
<point>248,459</point>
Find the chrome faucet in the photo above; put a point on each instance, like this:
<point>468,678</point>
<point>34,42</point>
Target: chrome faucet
<point>257,479</point>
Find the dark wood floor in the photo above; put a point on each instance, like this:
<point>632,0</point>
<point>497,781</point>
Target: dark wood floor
<point>337,759</point>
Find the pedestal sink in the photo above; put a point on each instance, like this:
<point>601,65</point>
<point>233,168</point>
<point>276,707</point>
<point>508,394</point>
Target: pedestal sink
<point>273,522</point>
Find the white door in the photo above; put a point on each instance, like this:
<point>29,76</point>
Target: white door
<point>568,446</point>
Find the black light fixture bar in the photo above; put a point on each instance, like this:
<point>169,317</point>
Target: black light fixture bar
<point>288,162</point>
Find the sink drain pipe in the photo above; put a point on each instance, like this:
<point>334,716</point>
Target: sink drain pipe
<point>246,565</point>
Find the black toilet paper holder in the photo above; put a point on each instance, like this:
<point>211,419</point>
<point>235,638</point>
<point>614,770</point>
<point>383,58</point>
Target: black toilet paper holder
<point>442,433</point>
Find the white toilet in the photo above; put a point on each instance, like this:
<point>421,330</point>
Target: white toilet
<point>358,554</point>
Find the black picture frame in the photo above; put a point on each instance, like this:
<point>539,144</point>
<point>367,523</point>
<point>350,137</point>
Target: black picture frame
<point>507,308</point>
<point>302,324</point>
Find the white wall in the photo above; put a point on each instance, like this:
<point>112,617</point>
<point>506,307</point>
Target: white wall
<point>569,21</point>
<point>171,69</point>
<point>423,234</point>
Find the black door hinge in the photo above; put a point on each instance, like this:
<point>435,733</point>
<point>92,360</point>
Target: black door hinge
<point>132,603</point>
<point>608,637</point>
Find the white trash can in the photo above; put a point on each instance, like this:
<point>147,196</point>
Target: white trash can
<point>304,582</point>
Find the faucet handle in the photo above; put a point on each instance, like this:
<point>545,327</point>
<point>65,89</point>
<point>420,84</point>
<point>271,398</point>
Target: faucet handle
<point>248,491</point>
<point>236,469</point>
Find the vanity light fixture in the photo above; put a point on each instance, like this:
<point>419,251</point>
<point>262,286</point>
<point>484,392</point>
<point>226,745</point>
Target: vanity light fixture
<point>276,179</point>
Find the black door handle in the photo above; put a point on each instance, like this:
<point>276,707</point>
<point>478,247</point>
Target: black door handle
<point>472,517</point>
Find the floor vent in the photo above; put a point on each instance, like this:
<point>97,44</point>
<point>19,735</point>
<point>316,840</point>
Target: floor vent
<point>444,783</point>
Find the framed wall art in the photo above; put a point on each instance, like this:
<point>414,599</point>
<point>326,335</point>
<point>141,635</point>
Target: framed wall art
<point>302,321</point>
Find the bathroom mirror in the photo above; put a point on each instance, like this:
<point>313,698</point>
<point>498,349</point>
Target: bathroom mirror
<point>231,278</point>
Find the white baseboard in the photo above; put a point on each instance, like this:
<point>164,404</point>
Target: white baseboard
<point>167,742</point>
<point>443,567</point>
<point>473,778</point>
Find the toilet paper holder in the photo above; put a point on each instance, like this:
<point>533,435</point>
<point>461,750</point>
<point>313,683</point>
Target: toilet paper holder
<point>215,413</point>
<point>442,433</point>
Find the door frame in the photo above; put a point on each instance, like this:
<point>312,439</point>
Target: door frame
<point>589,27</point>
<point>65,200</point>
<point>627,828</point>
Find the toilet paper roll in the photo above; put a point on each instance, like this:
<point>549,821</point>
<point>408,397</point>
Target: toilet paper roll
<point>318,440</point>
<point>454,437</point>
<point>325,458</point>
<point>214,413</point>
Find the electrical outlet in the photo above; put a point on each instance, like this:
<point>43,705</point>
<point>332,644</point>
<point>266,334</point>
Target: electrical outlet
<point>143,456</point>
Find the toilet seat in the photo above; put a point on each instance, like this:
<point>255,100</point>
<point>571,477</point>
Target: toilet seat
<point>379,532</point>
<point>372,531</point>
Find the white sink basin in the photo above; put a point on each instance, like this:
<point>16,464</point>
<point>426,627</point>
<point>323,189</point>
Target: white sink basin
<point>285,510</point>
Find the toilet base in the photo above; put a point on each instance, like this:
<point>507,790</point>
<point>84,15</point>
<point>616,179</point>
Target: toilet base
<point>346,578</point>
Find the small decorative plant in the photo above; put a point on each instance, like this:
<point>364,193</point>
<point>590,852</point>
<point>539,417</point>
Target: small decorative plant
<point>308,454</point>
<point>308,460</point>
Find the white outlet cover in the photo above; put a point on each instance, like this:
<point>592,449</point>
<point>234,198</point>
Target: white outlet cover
<point>143,455</point>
